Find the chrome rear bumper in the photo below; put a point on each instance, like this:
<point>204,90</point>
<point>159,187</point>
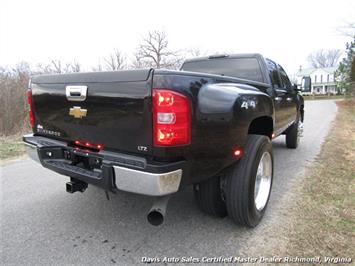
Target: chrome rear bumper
<point>32,152</point>
<point>147,183</point>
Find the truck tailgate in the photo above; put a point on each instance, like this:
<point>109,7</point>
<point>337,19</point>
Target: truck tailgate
<point>115,113</point>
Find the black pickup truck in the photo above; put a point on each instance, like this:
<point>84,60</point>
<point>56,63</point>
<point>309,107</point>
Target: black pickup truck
<point>156,131</point>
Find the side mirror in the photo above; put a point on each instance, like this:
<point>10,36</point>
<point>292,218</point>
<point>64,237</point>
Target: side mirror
<point>295,87</point>
<point>306,84</point>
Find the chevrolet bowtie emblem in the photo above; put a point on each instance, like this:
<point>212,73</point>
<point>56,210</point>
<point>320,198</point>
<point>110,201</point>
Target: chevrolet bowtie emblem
<point>77,112</point>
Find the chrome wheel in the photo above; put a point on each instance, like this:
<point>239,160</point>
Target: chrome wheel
<point>300,129</point>
<point>263,181</point>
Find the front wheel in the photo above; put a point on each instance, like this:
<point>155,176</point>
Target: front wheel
<point>250,181</point>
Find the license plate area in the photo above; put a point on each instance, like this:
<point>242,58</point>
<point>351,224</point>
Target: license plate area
<point>83,159</point>
<point>76,157</point>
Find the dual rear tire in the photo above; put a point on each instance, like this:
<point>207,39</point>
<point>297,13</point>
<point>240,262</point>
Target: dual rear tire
<point>247,185</point>
<point>294,134</point>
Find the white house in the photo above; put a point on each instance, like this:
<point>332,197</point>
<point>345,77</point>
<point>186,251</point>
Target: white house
<point>323,81</point>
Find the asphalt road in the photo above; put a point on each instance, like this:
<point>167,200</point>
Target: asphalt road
<point>41,224</point>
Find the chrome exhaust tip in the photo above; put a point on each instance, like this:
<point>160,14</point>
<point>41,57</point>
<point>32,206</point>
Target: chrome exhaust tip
<point>156,215</point>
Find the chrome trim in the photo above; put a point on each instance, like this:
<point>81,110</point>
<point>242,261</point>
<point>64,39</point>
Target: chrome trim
<point>29,84</point>
<point>146,183</point>
<point>281,90</point>
<point>32,152</point>
<point>80,90</point>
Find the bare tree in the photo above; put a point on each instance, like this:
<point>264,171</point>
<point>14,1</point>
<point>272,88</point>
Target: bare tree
<point>13,85</point>
<point>58,67</point>
<point>97,68</point>
<point>72,67</point>
<point>197,52</point>
<point>115,61</point>
<point>139,62</point>
<point>13,104</point>
<point>43,69</point>
<point>324,58</point>
<point>194,52</point>
<point>347,30</point>
<point>154,52</point>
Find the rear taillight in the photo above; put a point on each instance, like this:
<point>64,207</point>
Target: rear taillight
<point>171,118</point>
<point>30,112</point>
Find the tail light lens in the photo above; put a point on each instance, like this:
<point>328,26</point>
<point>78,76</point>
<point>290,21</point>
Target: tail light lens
<point>171,118</point>
<point>30,112</point>
<point>89,145</point>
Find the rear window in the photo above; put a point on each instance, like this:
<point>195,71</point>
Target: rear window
<point>245,68</point>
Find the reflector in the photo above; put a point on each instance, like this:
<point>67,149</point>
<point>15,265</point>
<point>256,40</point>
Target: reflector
<point>238,153</point>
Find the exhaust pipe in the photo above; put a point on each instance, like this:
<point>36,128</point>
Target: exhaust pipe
<point>156,214</point>
<point>75,186</point>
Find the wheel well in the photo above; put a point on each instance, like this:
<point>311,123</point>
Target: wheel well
<point>261,126</point>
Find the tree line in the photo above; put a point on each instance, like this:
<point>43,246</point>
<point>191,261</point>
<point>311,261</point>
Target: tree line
<point>345,72</point>
<point>152,51</point>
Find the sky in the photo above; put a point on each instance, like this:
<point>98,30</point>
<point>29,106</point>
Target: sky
<point>86,31</point>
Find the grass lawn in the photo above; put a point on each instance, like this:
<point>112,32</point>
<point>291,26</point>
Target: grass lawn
<point>323,97</point>
<point>324,222</point>
<point>11,147</point>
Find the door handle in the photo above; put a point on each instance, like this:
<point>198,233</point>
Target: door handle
<point>76,93</point>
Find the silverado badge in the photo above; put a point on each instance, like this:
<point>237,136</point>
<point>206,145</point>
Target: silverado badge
<point>77,112</point>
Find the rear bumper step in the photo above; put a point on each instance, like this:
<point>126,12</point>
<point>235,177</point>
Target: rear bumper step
<point>110,171</point>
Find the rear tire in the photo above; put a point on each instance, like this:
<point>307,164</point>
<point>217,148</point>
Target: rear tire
<point>208,195</point>
<point>244,204</point>
<point>293,134</point>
